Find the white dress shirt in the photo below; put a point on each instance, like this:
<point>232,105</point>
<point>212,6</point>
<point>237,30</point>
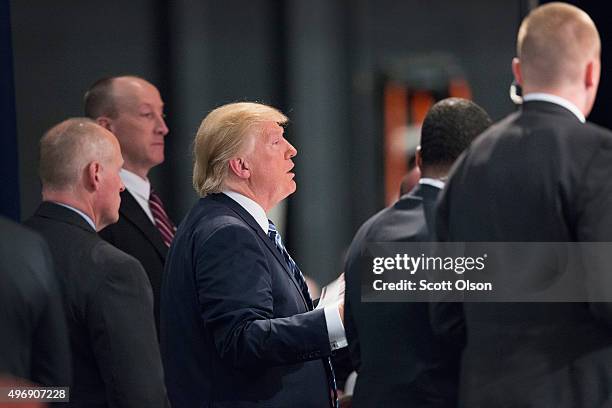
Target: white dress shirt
<point>335,328</point>
<point>557,100</point>
<point>139,188</point>
<point>432,182</point>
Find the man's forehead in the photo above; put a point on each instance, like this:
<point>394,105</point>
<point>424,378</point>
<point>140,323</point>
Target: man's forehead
<point>134,93</point>
<point>272,128</point>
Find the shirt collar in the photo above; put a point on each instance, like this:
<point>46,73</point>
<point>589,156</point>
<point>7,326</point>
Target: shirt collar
<point>557,100</point>
<point>81,213</point>
<point>136,184</point>
<point>251,207</point>
<point>432,182</point>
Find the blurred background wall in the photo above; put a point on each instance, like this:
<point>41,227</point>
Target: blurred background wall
<point>319,61</point>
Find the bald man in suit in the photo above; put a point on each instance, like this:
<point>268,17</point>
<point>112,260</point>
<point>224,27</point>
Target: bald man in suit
<point>541,174</point>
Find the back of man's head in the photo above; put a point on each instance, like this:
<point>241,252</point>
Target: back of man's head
<point>101,97</point>
<point>448,129</point>
<point>554,43</point>
<point>67,148</point>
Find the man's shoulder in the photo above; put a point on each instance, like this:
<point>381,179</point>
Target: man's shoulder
<point>599,131</point>
<point>62,232</point>
<point>408,208</point>
<point>212,213</point>
<point>78,242</point>
<point>18,238</point>
<point>106,255</point>
<point>560,133</point>
<point>400,222</point>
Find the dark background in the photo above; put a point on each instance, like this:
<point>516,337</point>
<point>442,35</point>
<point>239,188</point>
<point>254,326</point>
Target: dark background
<point>318,61</point>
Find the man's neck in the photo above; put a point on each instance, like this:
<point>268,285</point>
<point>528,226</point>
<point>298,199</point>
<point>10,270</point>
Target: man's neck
<point>433,173</point>
<point>140,172</point>
<point>246,191</point>
<point>572,95</point>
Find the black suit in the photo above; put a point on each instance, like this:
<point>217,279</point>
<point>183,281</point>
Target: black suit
<point>235,327</point>
<point>136,235</point>
<point>109,307</point>
<point>537,176</point>
<point>399,360</point>
<point>34,339</point>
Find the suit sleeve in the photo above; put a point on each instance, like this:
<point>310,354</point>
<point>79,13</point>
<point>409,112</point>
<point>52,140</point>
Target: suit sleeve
<point>51,361</point>
<point>352,274</point>
<point>594,229</point>
<point>120,318</point>
<point>447,318</point>
<point>234,281</point>
<point>351,334</point>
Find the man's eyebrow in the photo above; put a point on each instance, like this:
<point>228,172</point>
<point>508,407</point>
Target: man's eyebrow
<point>149,105</point>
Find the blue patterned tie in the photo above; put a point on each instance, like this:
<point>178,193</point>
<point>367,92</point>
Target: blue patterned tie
<point>278,242</point>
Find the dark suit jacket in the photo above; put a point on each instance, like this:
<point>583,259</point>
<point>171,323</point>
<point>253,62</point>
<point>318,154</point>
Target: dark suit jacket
<point>399,360</point>
<point>34,339</point>
<point>109,309</point>
<point>537,176</point>
<point>235,328</point>
<point>136,235</point>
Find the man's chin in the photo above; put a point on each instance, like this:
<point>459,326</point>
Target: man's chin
<point>291,188</point>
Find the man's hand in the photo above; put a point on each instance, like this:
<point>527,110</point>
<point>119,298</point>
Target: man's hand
<point>341,310</point>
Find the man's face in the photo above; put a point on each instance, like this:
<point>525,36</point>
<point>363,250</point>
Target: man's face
<point>108,199</point>
<point>270,165</point>
<point>139,125</point>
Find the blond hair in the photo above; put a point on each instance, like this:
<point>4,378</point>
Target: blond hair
<point>222,135</point>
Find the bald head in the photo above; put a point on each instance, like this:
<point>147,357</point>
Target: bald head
<point>67,148</point>
<point>107,96</point>
<point>555,43</point>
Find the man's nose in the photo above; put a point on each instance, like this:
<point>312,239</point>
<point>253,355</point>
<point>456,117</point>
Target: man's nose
<point>291,151</point>
<point>161,126</point>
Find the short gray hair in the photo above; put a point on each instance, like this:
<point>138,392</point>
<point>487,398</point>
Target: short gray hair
<point>67,148</point>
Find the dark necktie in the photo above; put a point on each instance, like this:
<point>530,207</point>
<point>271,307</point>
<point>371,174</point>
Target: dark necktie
<point>299,277</point>
<point>163,223</point>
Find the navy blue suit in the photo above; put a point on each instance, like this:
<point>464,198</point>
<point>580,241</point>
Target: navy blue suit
<point>235,327</point>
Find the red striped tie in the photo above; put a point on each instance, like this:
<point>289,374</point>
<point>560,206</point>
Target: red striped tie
<point>163,223</point>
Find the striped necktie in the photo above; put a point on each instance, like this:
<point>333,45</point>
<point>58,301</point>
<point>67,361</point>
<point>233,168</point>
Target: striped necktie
<point>163,223</point>
<point>299,277</point>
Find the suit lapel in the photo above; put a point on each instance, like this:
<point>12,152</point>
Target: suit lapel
<point>131,211</point>
<point>248,218</point>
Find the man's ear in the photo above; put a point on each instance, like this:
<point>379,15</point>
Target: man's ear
<point>105,122</point>
<point>92,175</point>
<point>516,70</point>
<point>418,157</point>
<point>590,75</point>
<point>240,167</point>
